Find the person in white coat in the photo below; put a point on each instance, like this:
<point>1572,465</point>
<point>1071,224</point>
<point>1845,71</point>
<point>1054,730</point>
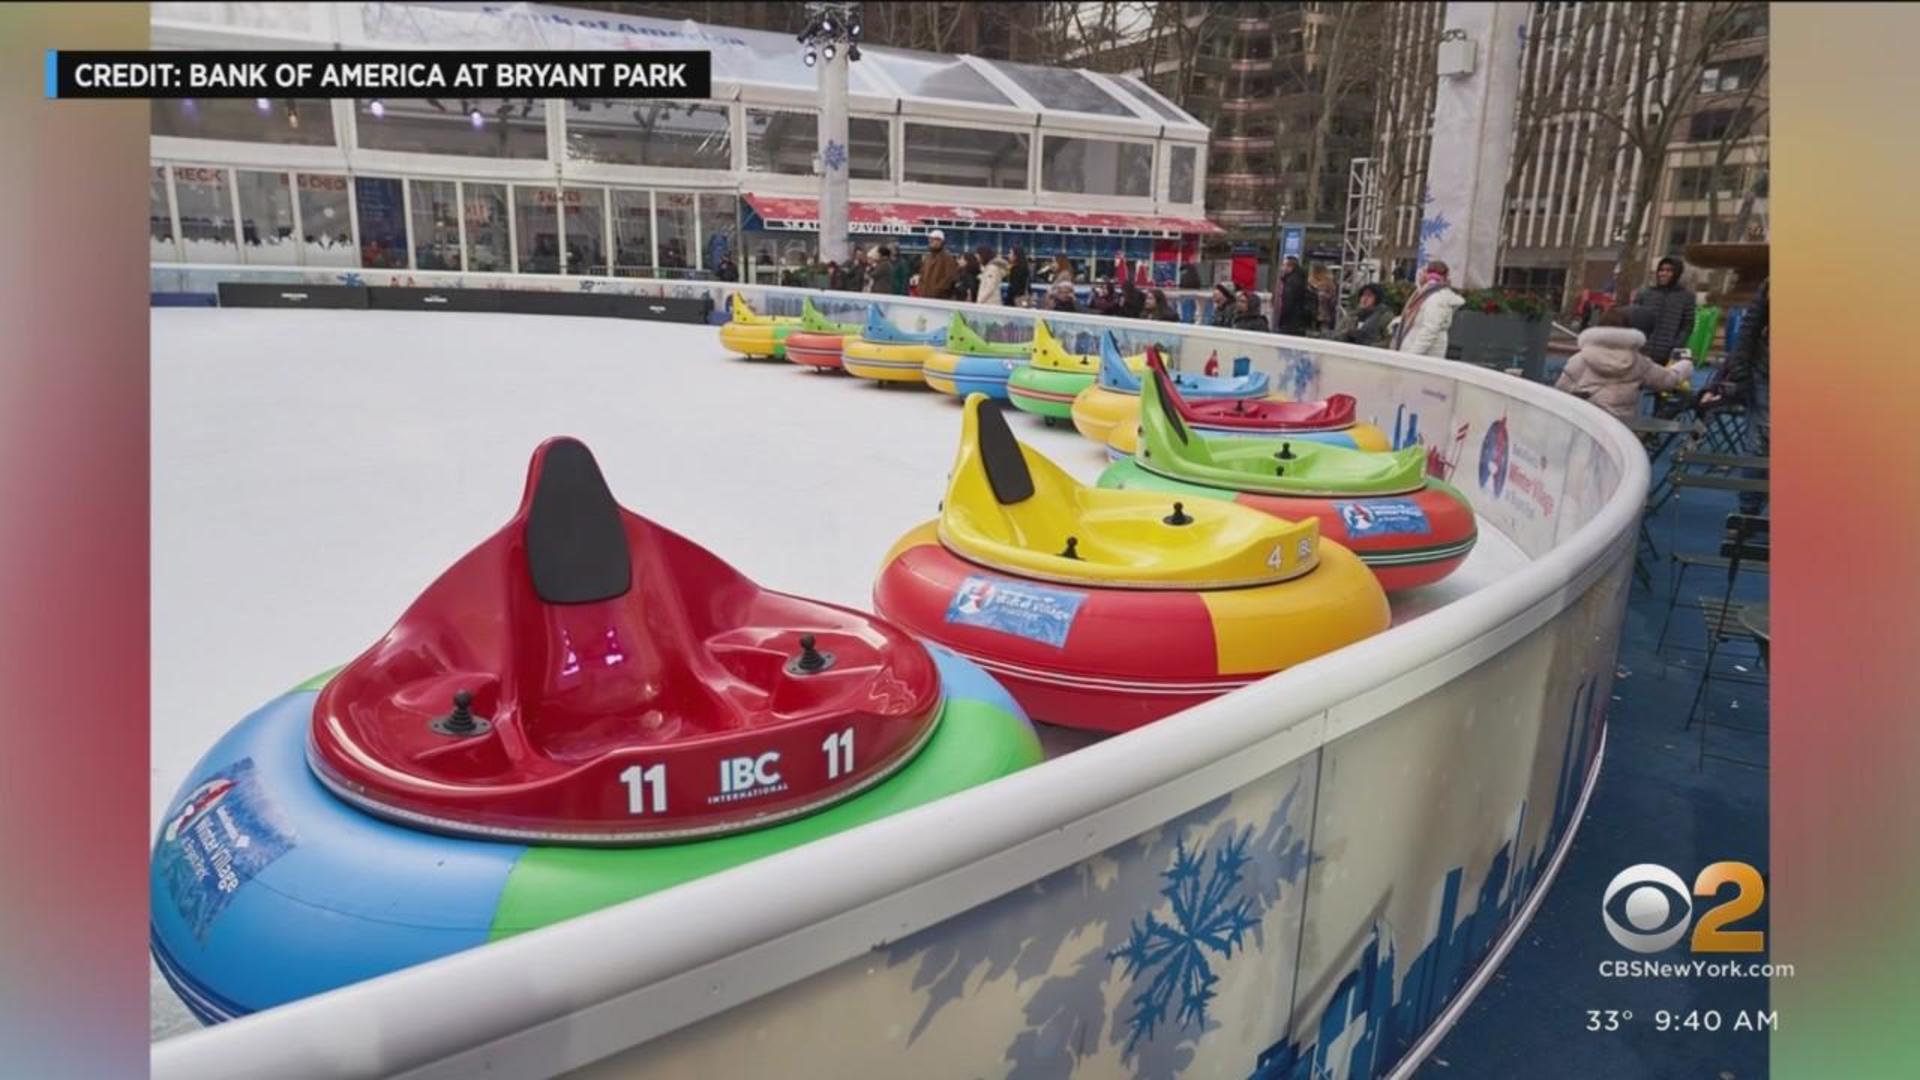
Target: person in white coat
<point>993,273</point>
<point>1424,323</point>
<point>1612,368</point>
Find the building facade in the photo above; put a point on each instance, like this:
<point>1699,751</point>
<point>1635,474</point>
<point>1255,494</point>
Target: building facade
<point>1575,189</point>
<point>1261,76</point>
<point>1715,187</point>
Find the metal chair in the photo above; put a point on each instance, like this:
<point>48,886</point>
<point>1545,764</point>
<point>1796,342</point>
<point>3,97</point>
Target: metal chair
<point>1703,470</point>
<point>1725,429</point>
<point>1657,436</point>
<point>1745,542</point>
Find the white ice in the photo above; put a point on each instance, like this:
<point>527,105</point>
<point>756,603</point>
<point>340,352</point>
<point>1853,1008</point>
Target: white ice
<point>314,470</point>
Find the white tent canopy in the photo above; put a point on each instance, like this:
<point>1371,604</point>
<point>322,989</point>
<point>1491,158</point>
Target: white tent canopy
<point>638,186</point>
<point>751,65</point>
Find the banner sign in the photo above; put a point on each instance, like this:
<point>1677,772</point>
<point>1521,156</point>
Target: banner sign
<point>1473,123</point>
<point>424,74</point>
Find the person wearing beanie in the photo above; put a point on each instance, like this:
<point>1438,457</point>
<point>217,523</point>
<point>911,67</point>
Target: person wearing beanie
<point>1669,305</point>
<point>1060,297</point>
<point>939,270</point>
<point>1610,369</point>
<point>1371,317</point>
<point>1226,304</point>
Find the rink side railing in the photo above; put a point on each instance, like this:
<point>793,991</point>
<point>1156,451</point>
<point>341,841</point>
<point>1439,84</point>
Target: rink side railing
<point>176,283</point>
<point>1441,767</point>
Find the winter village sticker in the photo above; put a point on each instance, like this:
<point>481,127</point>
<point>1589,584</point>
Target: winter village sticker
<point>218,839</point>
<point>1383,517</point>
<point>1034,612</point>
<point>1516,472</point>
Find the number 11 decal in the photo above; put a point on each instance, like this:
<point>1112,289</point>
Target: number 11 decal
<point>839,751</point>
<point>646,789</point>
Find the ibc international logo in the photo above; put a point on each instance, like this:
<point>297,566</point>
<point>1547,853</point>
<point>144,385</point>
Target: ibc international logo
<point>1648,908</point>
<point>749,777</point>
<point>743,774</point>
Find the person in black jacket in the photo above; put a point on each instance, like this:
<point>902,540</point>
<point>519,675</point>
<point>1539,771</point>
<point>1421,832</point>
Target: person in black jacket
<point>880,276</point>
<point>1158,308</point>
<point>1748,381</point>
<point>1293,301</point>
<point>1131,300</point>
<point>967,284</point>
<point>1670,306</point>
<point>1247,315</point>
<point>1020,280</point>
<point>1190,276</point>
<point>1371,317</point>
<point>1226,304</point>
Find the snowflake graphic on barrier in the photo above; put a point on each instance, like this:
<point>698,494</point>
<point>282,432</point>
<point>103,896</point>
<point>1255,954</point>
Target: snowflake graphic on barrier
<point>1209,917</point>
<point>835,156</point>
<point>1431,228</point>
<point>1299,373</point>
<point>350,278</point>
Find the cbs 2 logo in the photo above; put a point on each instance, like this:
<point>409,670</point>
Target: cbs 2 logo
<point>1647,908</point>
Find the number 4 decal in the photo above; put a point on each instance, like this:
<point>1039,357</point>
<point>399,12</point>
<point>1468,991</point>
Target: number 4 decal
<point>1273,560</point>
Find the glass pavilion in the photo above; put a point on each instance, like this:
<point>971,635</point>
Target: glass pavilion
<point>992,152</point>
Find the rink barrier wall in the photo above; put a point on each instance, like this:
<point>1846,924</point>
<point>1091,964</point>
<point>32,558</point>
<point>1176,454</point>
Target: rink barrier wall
<point>1353,842</point>
<point>292,295</point>
<point>419,298</point>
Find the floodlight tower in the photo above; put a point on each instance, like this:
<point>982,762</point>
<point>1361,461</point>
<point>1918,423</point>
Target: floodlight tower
<point>832,41</point>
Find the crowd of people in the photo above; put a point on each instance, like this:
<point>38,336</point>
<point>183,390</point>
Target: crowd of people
<point>1305,304</point>
<point>1624,351</point>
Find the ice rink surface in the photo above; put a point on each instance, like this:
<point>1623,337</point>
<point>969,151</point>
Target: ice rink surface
<point>313,471</point>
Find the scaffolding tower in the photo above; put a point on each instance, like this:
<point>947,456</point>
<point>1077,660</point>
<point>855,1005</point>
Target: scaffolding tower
<point>1360,239</point>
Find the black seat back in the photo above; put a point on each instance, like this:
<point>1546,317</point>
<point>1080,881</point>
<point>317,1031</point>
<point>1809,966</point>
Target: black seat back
<point>1007,471</point>
<point>576,543</point>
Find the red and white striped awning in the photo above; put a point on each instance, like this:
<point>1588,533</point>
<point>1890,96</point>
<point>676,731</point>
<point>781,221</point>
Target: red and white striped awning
<point>788,212</point>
